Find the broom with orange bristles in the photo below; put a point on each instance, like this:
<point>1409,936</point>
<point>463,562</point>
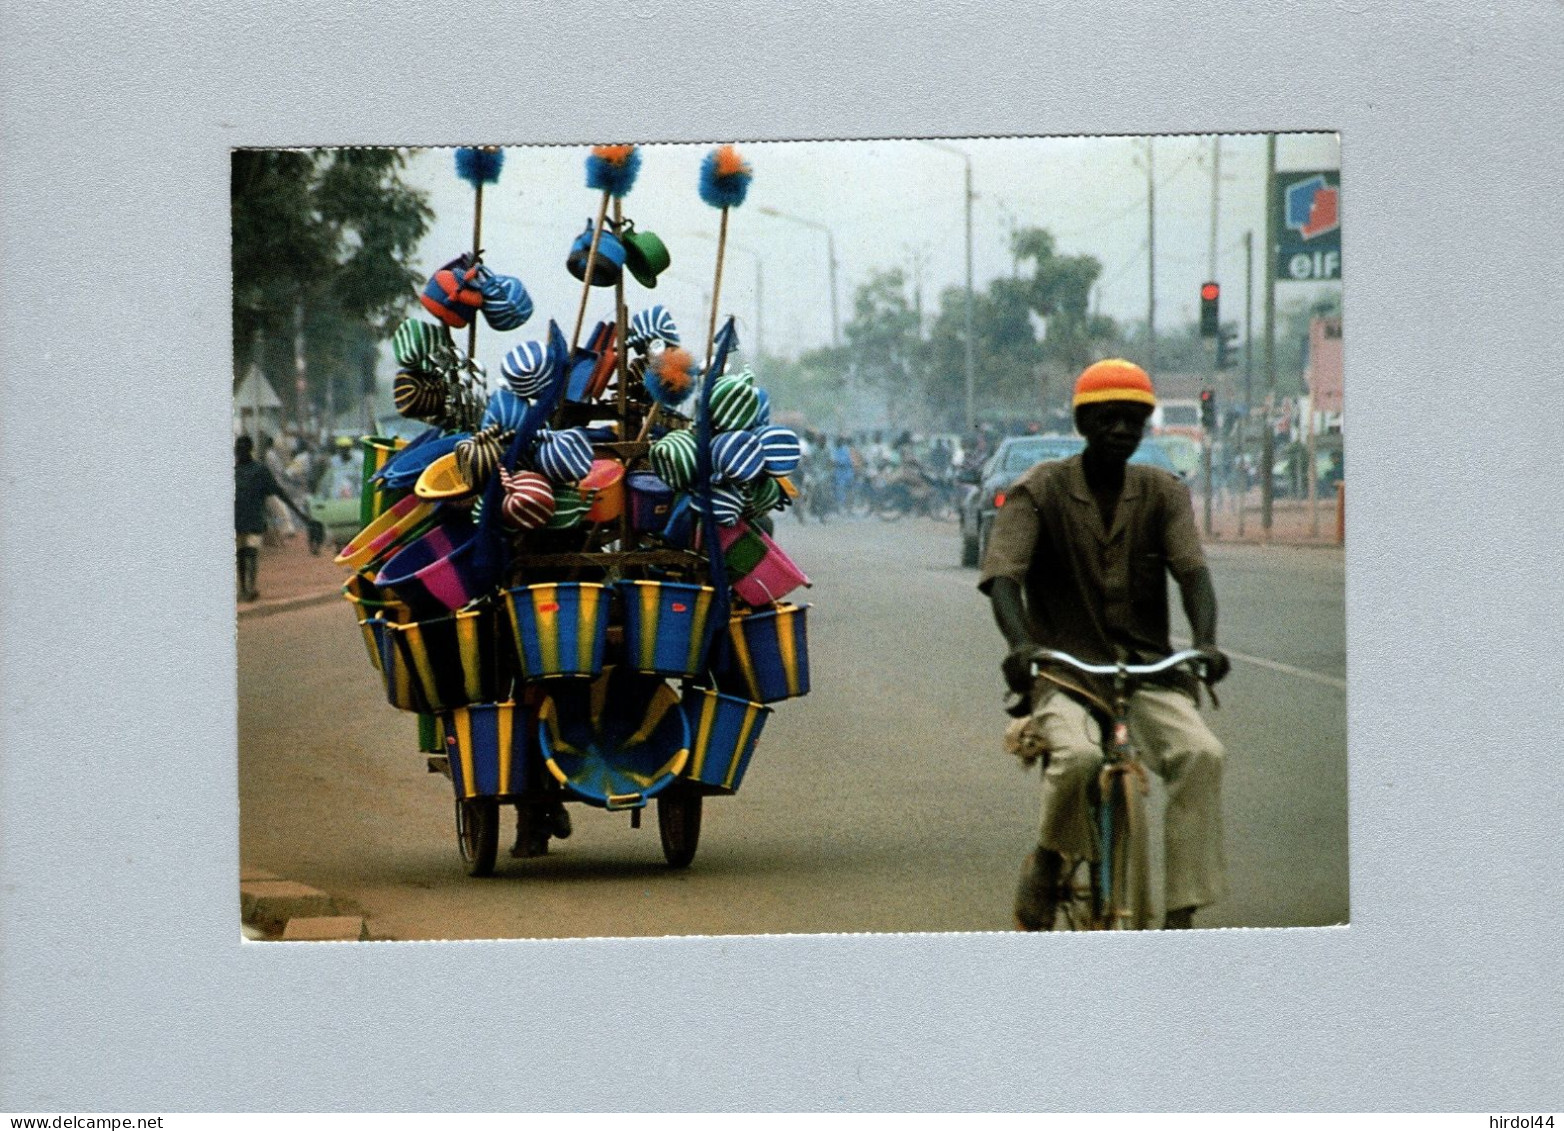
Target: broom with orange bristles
<point>725,181</point>
<point>611,169</point>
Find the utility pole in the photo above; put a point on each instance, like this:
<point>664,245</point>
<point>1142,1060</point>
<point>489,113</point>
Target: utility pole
<point>1268,437</point>
<point>971,379</point>
<point>1243,424</point>
<point>1151,261</point>
<point>970,196</point>
<point>300,386</point>
<point>1209,440</point>
<point>760,308</point>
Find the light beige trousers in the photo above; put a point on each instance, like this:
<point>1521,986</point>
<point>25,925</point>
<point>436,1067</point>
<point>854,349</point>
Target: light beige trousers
<point>1175,743</point>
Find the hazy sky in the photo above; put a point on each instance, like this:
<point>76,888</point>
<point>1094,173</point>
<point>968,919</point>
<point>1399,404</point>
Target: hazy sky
<point>887,204</point>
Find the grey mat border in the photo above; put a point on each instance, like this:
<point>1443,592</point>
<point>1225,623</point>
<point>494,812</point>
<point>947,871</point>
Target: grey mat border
<point>122,980</point>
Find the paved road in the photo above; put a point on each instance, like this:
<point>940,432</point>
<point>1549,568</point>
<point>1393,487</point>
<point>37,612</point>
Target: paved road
<point>881,802</point>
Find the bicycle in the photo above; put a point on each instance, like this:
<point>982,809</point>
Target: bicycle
<point>1114,892</point>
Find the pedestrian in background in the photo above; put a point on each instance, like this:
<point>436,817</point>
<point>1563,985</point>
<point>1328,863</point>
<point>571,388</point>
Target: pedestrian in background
<point>280,526</point>
<point>254,486</point>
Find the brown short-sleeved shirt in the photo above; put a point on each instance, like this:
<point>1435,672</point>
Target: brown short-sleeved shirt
<point>1100,595</point>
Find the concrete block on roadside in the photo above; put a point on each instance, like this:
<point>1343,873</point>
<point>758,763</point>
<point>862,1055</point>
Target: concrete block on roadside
<point>271,903</point>
<point>326,928</point>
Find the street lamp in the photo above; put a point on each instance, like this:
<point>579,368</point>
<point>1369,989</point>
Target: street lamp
<point>830,251</point>
<point>760,287</point>
<point>969,197</point>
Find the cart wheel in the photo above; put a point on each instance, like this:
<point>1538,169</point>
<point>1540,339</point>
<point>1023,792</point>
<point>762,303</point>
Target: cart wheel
<point>478,833</point>
<point>679,823</point>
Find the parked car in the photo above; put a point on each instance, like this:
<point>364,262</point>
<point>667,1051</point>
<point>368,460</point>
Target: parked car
<point>1013,457</point>
<point>1185,454</point>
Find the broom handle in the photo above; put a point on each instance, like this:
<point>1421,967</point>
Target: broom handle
<point>623,373</point>
<point>586,282</point>
<point>477,243</point>
<point>716,287</point>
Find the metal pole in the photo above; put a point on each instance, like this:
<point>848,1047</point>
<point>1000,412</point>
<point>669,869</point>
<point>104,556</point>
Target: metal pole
<point>830,251</point>
<point>971,368</point>
<point>1248,322</point>
<point>970,361</point>
<point>1268,436</point>
<point>1151,261</point>
<point>1243,424</point>
<point>1216,191</point>
<point>1209,441</point>
<point>760,308</point>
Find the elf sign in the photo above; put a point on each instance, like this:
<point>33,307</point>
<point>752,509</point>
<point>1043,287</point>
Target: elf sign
<point>1307,211</point>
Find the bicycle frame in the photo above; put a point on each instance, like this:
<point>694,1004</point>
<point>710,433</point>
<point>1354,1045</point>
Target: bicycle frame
<point>1110,906</point>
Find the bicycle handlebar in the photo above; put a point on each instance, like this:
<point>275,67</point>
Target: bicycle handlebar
<point>1047,655</point>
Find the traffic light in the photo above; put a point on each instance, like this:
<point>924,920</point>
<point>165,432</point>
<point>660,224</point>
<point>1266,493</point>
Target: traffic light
<point>1209,320</point>
<point>1227,349</point>
<point>1208,410</point>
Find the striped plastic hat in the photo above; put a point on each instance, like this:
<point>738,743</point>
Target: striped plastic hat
<point>505,408</point>
<point>417,344</point>
<point>763,417</point>
<point>452,294</point>
<point>528,502</point>
<point>735,404</point>
<point>1114,380</point>
<point>737,457</point>
<point>506,303</point>
<point>418,395</point>
<point>727,505</point>
<point>673,459</point>
<point>652,323</point>
<point>478,456</point>
<point>761,496</point>
<point>527,368</point>
<point>564,456</point>
<point>781,449</point>
<point>570,507</point>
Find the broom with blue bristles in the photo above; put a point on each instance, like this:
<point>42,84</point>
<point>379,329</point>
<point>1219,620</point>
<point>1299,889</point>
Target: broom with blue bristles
<point>611,169</point>
<point>725,181</point>
<point>478,166</point>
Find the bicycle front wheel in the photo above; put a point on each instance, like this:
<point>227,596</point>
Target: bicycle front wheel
<point>1129,894</point>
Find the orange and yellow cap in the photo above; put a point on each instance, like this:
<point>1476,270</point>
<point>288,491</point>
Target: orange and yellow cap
<point>1114,380</point>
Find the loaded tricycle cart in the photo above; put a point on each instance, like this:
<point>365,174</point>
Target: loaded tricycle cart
<point>569,577</point>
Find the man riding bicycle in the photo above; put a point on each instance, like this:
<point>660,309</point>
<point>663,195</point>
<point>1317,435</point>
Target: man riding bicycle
<point>1077,561</point>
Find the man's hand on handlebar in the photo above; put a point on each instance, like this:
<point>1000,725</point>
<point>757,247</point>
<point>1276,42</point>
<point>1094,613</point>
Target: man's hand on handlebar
<point>1217,664</point>
<point>1017,667</point>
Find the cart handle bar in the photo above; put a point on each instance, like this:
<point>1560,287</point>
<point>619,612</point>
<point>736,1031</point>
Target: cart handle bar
<point>1045,655</point>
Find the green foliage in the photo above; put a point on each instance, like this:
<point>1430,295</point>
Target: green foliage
<point>1016,371</point>
<point>885,352</point>
<point>329,235</point>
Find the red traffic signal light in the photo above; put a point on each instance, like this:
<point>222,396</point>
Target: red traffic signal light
<point>1208,410</point>
<point>1210,323</point>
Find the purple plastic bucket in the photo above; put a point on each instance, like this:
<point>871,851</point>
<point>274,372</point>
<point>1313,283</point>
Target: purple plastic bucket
<point>436,569</point>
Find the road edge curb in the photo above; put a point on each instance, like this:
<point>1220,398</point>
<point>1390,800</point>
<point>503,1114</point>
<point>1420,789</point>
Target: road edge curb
<point>287,604</point>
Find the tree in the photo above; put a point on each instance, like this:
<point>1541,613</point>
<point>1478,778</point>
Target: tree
<point>1014,366</point>
<point>885,350</point>
<point>1059,291</point>
<point>322,245</point>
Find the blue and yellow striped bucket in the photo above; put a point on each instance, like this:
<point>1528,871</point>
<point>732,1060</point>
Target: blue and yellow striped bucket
<point>487,747</point>
<point>374,500</point>
<point>769,657</point>
<point>370,602</point>
<point>723,733</point>
<point>559,628</point>
<point>457,659</point>
<point>668,626</point>
<point>396,670</point>
<point>615,742</point>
